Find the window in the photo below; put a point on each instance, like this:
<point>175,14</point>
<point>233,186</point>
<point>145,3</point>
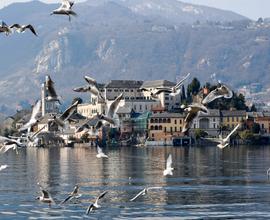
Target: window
<point>214,119</point>
<point>160,127</point>
<point>175,129</point>
<point>131,90</point>
<point>121,90</point>
<point>232,119</point>
<point>171,129</point>
<point>175,121</point>
<point>109,90</point>
<point>166,98</point>
<point>126,90</point>
<point>153,135</point>
<point>140,107</point>
<point>214,125</point>
<point>152,127</point>
<point>165,130</point>
<point>115,90</point>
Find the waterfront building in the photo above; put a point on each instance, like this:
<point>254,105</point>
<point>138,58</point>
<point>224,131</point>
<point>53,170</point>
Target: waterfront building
<point>210,122</point>
<point>231,118</point>
<point>164,126</point>
<point>130,89</point>
<point>88,110</point>
<point>263,119</point>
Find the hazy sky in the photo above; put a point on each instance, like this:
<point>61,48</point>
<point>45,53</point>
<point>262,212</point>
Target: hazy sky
<point>250,8</point>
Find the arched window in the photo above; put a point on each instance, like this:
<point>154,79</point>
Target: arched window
<point>156,127</point>
<point>152,127</point>
<point>160,120</point>
<point>156,120</point>
<point>160,127</point>
<point>152,120</point>
<point>168,120</point>
<point>164,120</point>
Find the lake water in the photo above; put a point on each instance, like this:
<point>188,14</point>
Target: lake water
<point>207,183</point>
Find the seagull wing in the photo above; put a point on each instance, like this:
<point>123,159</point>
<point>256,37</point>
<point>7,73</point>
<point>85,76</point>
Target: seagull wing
<point>144,90</point>
<point>2,167</point>
<point>182,81</point>
<point>45,193</point>
<point>36,110</point>
<point>155,187</point>
<point>82,89</point>
<point>99,150</point>
<point>31,28</point>
<point>90,80</point>
<point>113,106</point>
<point>50,87</point>
<point>101,196</point>
<point>69,111</point>
<point>67,199</point>
<point>17,26</point>
<point>105,118</point>
<point>161,90</point>
<point>89,209</point>
<point>232,132</point>
<point>139,194</point>
<point>169,162</point>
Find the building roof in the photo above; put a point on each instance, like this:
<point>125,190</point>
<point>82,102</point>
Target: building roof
<point>167,115</point>
<point>228,113</point>
<point>157,83</point>
<point>212,113</point>
<point>124,84</point>
<point>123,110</point>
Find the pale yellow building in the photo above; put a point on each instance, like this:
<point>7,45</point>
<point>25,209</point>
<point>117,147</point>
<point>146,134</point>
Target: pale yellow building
<point>164,126</point>
<point>231,118</point>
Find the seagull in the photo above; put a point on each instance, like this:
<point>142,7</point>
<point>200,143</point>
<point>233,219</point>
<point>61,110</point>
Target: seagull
<point>5,28</point>
<point>95,205</point>
<point>8,143</point>
<point>173,91</point>
<point>49,84</point>
<point>144,192</point>
<point>45,197</point>
<point>169,169</point>
<point>91,87</point>
<point>112,108</point>
<point>224,142</point>
<point>192,110</point>
<point>268,173</point>
<point>67,114</point>
<point>100,153</point>
<point>22,28</point>
<point>33,119</point>
<point>2,167</point>
<point>74,194</point>
<point>222,91</point>
<point>65,9</point>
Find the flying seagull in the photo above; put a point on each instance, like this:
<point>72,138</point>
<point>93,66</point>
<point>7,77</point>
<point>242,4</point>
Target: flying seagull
<point>33,119</point>
<point>112,107</point>
<point>144,192</point>
<point>100,153</point>
<point>222,91</point>
<point>67,114</point>
<point>65,9</point>
<point>95,205</point>
<point>192,112</point>
<point>173,91</point>
<point>73,194</point>
<point>90,87</point>
<point>224,142</point>
<point>22,28</point>
<point>51,93</point>
<point>4,28</point>
<point>169,169</point>
<point>8,143</point>
<point>45,196</point>
<point>2,167</point>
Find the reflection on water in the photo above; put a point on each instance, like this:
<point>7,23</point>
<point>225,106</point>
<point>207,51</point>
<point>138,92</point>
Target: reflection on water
<point>207,182</point>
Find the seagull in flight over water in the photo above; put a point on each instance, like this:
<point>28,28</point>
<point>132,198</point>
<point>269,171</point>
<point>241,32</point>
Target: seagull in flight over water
<point>22,28</point>
<point>74,194</point>
<point>2,167</point>
<point>169,169</point>
<point>95,205</point>
<point>100,153</point>
<point>144,192</point>
<point>45,196</point>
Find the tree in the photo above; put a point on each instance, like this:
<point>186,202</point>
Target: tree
<point>199,133</point>
<point>253,108</point>
<point>194,87</point>
<point>183,94</point>
<point>255,128</point>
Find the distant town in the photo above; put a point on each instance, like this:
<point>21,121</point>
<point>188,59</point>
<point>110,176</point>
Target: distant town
<point>143,121</point>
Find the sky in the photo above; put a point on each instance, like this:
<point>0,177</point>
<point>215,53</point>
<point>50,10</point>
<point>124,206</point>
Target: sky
<point>249,8</point>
